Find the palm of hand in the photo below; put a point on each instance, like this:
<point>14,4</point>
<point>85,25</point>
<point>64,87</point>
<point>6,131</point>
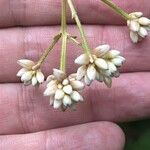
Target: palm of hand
<point>24,110</point>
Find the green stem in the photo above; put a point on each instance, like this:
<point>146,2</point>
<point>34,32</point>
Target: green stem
<point>47,51</point>
<point>75,16</point>
<point>117,9</point>
<point>64,35</point>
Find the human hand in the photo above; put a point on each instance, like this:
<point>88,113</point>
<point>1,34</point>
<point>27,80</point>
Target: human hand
<point>24,111</point>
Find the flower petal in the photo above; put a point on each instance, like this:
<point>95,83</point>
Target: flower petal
<point>144,21</point>
<point>40,77</point>
<point>59,94</point>
<point>108,82</point>
<point>34,81</point>
<point>113,54</point>
<point>67,100</point>
<point>99,77</point>
<point>25,63</point>
<point>50,78</point>
<point>21,72</point>
<point>82,59</point>
<point>112,67</point>
<point>134,37</point>
<point>137,14</point>
<point>52,83</point>
<point>50,91</point>
<point>134,26</point>
<point>81,72</point>
<point>101,63</point>
<point>118,61</point>
<point>57,104</point>
<point>102,50</point>
<point>60,75</point>
<point>65,82</point>
<point>143,32</point>
<point>76,96</point>
<point>91,72</point>
<point>51,100</point>
<point>26,76</point>
<point>67,89</point>
<point>77,85</point>
<point>87,80</point>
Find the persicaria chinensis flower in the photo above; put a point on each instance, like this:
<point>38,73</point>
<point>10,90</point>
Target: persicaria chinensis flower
<point>139,26</point>
<point>28,74</point>
<point>64,91</point>
<point>102,65</point>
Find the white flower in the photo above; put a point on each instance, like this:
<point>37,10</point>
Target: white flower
<point>28,75</point>
<point>139,26</point>
<point>64,91</point>
<point>100,66</point>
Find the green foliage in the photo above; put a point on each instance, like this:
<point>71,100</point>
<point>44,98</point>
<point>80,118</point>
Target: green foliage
<point>137,135</point>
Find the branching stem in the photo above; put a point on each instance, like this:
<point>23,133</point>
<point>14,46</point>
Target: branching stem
<point>117,9</point>
<point>76,18</point>
<point>47,51</point>
<point>64,35</point>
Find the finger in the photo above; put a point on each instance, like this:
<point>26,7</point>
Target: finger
<point>99,135</point>
<point>46,12</point>
<point>24,109</point>
<point>30,43</point>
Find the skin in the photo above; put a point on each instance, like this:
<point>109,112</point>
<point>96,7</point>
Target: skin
<point>27,122</point>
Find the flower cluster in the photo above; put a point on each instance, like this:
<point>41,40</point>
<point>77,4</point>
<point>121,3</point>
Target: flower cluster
<point>139,26</point>
<point>63,90</point>
<point>28,74</point>
<point>100,66</point>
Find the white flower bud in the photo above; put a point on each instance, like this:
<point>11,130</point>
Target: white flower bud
<point>50,91</point>
<point>112,67</point>
<point>26,76</point>
<point>102,50</point>
<point>87,80</point>
<point>57,104</point>
<point>82,59</point>
<point>21,72</point>
<point>51,83</point>
<point>59,94</point>
<point>91,72</point>
<point>40,77</point>
<point>76,96</point>
<point>134,37</point>
<point>142,32</point>
<point>108,82</point>
<point>117,61</point>
<point>34,81</point>
<point>101,63</point>
<point>60,75</point>
<point>67,100</point>
<point>144,21</point>
<point>81,72</point>
<point>99,77</point>
<point>134,26</point>
<point>77,85</point>
<point>113,54</point>
<point>65,82</point>
<point>25,63</point>
<point>67,89</point>
<point>50,78</point>
<point>137,14</point>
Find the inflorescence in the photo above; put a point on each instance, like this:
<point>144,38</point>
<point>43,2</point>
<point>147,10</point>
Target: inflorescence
<point>101,63</point>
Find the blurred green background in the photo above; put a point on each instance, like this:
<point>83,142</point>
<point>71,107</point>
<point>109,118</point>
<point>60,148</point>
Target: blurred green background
<point>137,135</point>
